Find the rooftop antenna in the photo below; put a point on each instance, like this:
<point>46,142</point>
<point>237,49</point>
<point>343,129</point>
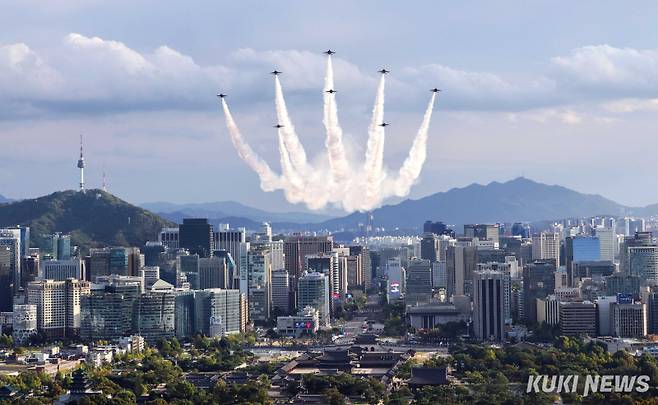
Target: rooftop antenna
<point>81,166</point>
<point>104,187</point>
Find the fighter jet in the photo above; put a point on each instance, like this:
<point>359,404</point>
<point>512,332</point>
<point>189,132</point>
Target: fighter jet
<point>435,90</point>
<point>383,71</point>
<point>275,72</point>
<point>277,126</point>
<point>329,52</point>
<point>221,95</point>
<point>384,124</point>
<point>330,91</point>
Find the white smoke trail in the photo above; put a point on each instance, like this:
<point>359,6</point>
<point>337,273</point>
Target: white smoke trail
<point>413,164</point>
<point>340,167</point>
<point>294,190</point>
<point>374,164</point>
<point>290,138</point>
<point>269,181</point>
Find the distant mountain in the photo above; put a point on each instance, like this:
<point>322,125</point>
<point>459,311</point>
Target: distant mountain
<point>224,209</point>
<point>94,218</point>
<point>520,199</point>
<point>4,200</point>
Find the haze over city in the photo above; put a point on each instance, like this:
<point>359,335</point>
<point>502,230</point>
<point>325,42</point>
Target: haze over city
<point>550,103</point>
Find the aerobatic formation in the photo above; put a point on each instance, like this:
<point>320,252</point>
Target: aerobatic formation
<point>354,186</point>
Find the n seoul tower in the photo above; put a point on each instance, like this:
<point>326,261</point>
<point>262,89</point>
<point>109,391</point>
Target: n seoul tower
<point>81,166</point>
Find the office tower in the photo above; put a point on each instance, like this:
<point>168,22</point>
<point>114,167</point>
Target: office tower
<point>439,279</point>
<point>62,269</point>
<point>623,284</point>
<point>259,294</point>
<point>219,312</point>
<point>561,278</point>
<point>58,305</point>
<point>630,226</point>
<point>24,323</point>
<point>232,275</point>
<point>578,318</point>
<point>185,315</point>
<point>64,247</point>
<point>150,274</point>
<point>326,264</point>
<point>521,230</point>
<point>643,262</point>
<point>538,282</point>
<point>607,242</point>
<point>437,228</point>
<point>213,272</point>
<point>102,315</point>
<point>548,310</point>
<point>604,314</point>
<point>419,282</point>
<point>189,265</point>
<point>461,261</point>
<point>99,263</point>
<point>281,291</point>
<point>313,290</point>
<point>629,319</point>
<point>593,270</point>
<point>491,305</point>
<point>652,310</point>
<point>639,239</point>
<point>152,253</point>
<point>363,255</point>
<point>586,248</point>
<point>395,279</point>
<point>107,312</point>
<point>10,244</point>
<point>355,276</point>
<point>230,240</point>
<point>545,246</point>
<point>30,268</point>
<point>482,232</point>
<point>429,247</point>
<point>6,278</point>
<point>196,235</point>
<point>169,238</point>
<point>297,247</point>
<point>153,316</point>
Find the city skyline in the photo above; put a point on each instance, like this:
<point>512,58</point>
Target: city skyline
<point>554,113</point>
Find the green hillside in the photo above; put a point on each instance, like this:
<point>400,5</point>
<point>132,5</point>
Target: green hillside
<point>93,219</point>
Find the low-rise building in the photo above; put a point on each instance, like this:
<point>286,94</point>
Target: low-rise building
<point>306,322</point>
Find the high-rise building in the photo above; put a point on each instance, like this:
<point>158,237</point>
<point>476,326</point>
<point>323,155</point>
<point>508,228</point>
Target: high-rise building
<point>152,253</point>
<point>219,312</point>
<point>538,282</point>
<point>62,269</point>
<point>297,247</point>
<point>419,282</point>
<point>10,244</point>
<point>196,235</point>
<point>629,319</point>
<point>99,263</point>
<point>213,272</point>
<point>548,310</point>
<point>366,264</point>
<point>461,261</point>
<point>58,305</point>
<point>483,232</point>
<point>623,284</point>
<point>259,295</point>
<point>169,238</point>
<point>313,290</point>
<point>607,242</point>
<point>545,246</point>
<point>107,312</point>
<point>429,247</point>
<point>652,310</point>
<point>578,318</point>
<point>643,262</point>
<point>281,291</point>
<point>153,316</point>
<point>24,323</point>
<point>437,228</point>
<point>604,314</point>
<point>639,239</point>
<point>491,295</point>
<point>230,240</point>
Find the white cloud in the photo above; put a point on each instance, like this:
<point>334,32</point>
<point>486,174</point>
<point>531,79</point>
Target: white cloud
<point>606,69</point>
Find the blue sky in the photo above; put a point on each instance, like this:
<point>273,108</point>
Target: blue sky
<point>561,92</point>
